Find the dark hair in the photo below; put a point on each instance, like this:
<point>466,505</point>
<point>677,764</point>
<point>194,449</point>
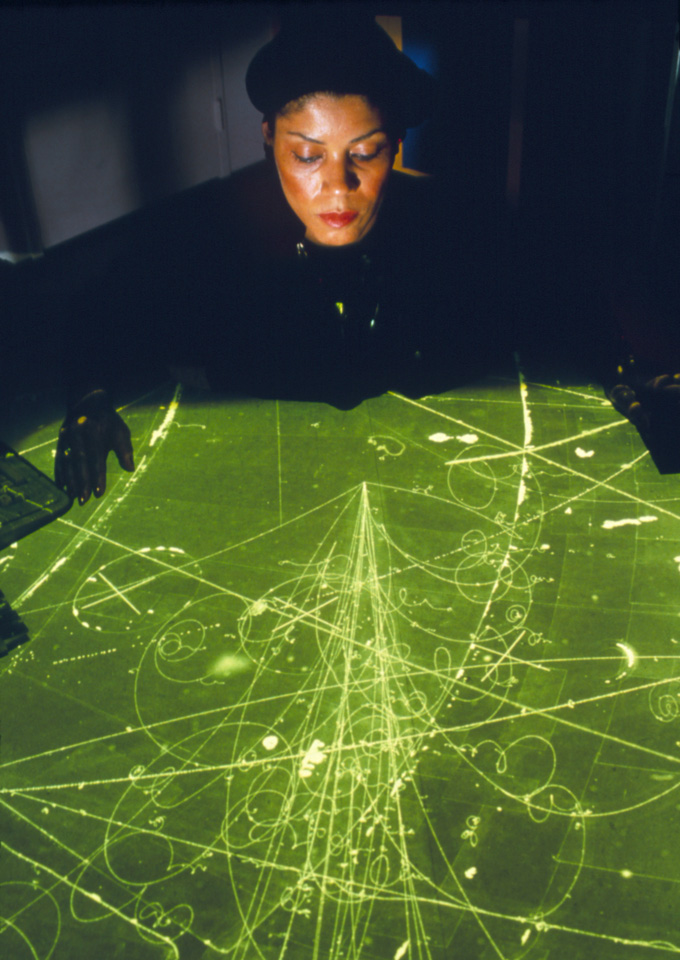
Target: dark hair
<point>338,50</point>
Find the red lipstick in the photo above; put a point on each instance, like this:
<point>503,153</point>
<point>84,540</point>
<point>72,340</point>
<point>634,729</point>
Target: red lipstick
<point>338,219</point>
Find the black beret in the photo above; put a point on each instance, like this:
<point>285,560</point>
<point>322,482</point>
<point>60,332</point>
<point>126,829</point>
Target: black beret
<point>339,49</point>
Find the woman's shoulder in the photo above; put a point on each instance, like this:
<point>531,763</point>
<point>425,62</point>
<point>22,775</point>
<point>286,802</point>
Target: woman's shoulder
<point>424,200</point>
<point>422,219</point>
<point>252,208</point>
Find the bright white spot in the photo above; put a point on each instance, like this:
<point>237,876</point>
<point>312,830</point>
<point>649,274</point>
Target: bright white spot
<point>580,452</point>
<point>526,935</point>
<point>630,522</point>
<point>312,758</point>
<point>398,784</point>
<point>270,742</point>
<point>439,437</point>
<point>568,510</point>
<point>255,609</point>
<point>468,438</point>
<point>59,563</point>
<point>629,652</point>
<point>626,874</point>
<point>545,546</point>
<point>472,872</point>
<point>229,664</point>
<point>401,952</point>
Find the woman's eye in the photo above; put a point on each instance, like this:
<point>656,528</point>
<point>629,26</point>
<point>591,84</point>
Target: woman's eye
<point>305,159</point>
<point>368,156</point>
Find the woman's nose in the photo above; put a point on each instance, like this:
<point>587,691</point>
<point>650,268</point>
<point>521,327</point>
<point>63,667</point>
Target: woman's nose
<point>340,178</point>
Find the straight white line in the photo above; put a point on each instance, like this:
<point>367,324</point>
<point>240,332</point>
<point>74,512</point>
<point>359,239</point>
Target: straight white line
<point>119,594</point>
<point>95,897</point>
<point>498,662</point>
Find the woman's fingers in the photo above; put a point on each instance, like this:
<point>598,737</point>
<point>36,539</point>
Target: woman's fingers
<point>659,381</point>
<point>61,463</point>
<point>637,415</point>
<point>626,402</point>
<point>96,464</point>
<point>668,383</point>
<point>83,458</point>
<point>83,447</point>
<point>122,445</point>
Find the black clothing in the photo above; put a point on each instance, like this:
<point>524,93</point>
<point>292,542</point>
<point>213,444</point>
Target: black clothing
<point>438,293</point>
<point>221,277</point>
<point>342,323</point>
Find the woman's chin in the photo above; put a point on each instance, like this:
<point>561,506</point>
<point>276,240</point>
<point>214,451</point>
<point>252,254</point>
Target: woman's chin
<point>332,241</point>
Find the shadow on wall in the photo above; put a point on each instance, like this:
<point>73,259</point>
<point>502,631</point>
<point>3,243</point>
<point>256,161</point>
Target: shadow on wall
<point>115,106</point>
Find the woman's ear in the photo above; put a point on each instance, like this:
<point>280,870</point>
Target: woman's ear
<point>267,133</point>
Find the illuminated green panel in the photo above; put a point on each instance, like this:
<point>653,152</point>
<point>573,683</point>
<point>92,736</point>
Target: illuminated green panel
<point>398,682</point>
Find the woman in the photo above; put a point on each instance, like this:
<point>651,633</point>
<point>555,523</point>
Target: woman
<point>343,279</point>
<point>326,282</point>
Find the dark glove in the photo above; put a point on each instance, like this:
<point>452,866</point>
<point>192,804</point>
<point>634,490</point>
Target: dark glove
<point>645,401</point>
<point>652,404</point>
<point>91,429</point>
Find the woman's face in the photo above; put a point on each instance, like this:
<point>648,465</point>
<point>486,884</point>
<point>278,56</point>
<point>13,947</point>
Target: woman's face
<point>333,158</point>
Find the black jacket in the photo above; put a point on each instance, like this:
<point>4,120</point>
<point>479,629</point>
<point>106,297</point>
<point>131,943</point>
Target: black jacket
<point>220,277</point>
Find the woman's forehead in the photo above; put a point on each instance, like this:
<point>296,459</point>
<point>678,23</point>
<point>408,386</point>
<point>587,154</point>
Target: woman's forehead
<point>330,112</point>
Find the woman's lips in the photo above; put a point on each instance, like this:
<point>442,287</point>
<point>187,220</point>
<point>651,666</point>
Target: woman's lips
<point>338,219</point>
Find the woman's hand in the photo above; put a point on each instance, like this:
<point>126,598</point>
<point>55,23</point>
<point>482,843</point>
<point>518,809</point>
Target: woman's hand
<point>91,429</point>
<point>644,403</point>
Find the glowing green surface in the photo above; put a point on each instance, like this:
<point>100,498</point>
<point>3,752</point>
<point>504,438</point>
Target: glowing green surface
<point>398,682</point>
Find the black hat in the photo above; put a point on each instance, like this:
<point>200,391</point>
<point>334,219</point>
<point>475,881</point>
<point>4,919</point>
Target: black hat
<point>337,48</point>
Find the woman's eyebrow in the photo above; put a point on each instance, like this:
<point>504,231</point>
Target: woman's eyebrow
<point>365,136</point>
<point>293,133</point>
<point>303,136</point>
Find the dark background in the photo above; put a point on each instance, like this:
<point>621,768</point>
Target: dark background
<point>110,108</point>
